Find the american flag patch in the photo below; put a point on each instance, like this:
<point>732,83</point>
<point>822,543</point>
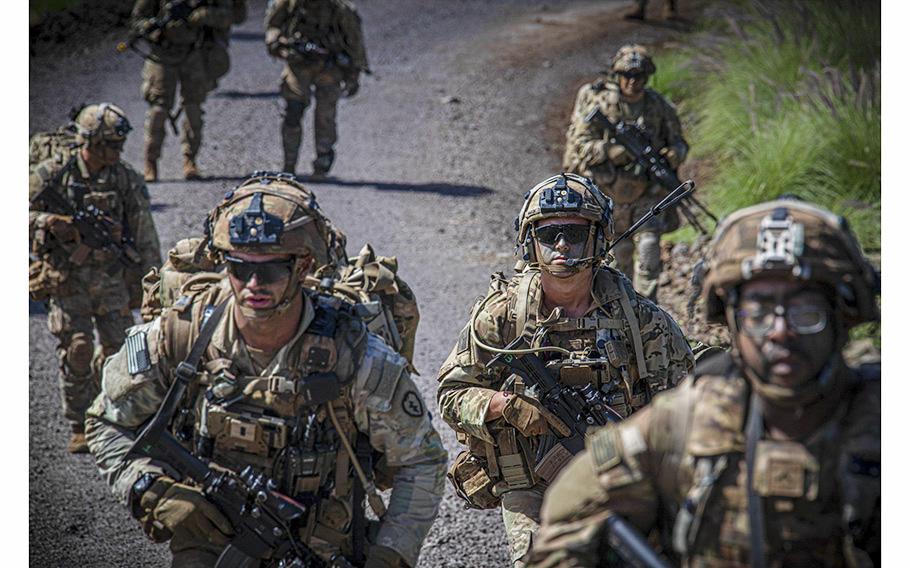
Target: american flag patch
<point>137,353</point>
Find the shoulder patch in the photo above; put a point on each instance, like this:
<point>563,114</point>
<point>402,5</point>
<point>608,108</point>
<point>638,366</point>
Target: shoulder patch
<point>380,373</point>
<point>137,352</point>
<point>412,404</point>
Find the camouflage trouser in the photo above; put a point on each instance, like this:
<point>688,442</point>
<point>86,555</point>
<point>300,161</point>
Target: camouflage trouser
<point>217,61</point>
<point>521,515</point>
<point>297,82</point>
<point>73,319</point>
<point>646,244</point>
<point>159,88</point>
<point>205,556</point>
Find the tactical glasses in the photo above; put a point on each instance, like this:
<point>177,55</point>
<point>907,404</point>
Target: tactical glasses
<point>573,234</point>
<point>632,75</point>
<point>114,144</point>
<point>266,272</point>
<point>758,320</point>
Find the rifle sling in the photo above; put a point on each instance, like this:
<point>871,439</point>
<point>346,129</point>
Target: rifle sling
<point>754,429</point>
<point>187,368</point>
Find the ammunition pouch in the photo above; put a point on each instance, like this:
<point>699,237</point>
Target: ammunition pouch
<point>468,476</point>
<point>45,280</point>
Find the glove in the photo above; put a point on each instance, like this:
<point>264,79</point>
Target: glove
<point>530,418</point>
<point>351,86</point>
<point>184,510</point>
<point>618,155</point>
<point>671,156</point>
<point>379,556</point>
<point>61,226</point>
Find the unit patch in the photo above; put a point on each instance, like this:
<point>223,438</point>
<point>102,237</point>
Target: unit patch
<point>412,405</point>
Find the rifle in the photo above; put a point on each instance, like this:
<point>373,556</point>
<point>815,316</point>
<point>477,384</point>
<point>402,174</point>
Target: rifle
<point>266,523</point>
<point>637,143</point>
<point>311,50</point>
<point>579,409</point>
<point>174,11</point>
<point>95,228</point>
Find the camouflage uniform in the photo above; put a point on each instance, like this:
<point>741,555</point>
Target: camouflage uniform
<point>331,25</point>
<point>88,299</point>
<point>378,403</point>
<point>638,13</point>
<point>588,151</point>
<point>655,355</point>
<point>681,466</point>
<point>176,56</point>
<point>215,45</point>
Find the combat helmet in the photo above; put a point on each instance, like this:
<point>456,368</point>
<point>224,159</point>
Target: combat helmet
<point>102,122</point>
<point>633,57</point>
<point>565,195</point>
<point>273,213</point>
<point>795,240</point>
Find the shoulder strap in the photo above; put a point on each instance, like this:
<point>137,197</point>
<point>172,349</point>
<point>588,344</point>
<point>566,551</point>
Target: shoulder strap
<point>187,368</point>
<point>755,502</point>
<point>637,344</point>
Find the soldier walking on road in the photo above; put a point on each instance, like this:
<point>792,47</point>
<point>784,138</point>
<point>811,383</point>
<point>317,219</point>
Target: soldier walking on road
<point>176,56</point>
<point>591,152</point>
<point>766,456</point>
<point>291,384</point>
<point>76,280</point>
<point>583,318</point>
<point>321,42</point>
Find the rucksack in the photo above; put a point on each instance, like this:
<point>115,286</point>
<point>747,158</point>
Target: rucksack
<point>44,145</point>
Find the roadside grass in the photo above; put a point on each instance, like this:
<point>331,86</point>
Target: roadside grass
<point>784,97</point>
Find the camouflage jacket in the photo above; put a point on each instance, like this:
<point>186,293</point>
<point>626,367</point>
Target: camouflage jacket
<point>330,24</point>
<point>821,494</point>
<point>178,37</point>
<point>118,191</point>
<point>261,424</point>
<point>587,145</point>
<point>658,354</point>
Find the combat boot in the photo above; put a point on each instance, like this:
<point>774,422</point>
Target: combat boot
<point>151,170</point>
<point>190,170</point>
<point>77,444</point>
<point>323,163</point>
<point>289,166</point>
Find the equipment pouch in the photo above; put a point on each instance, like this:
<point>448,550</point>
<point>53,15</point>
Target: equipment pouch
<point>627,188</point>
<point>785,469</point>
<point>469,478</point>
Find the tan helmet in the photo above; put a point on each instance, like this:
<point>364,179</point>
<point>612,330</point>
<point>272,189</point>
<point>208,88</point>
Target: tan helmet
<point>273,213</point>
<point>633,57</point>
<point>101,122</point>
<point>794,240</point>
<point>565,195</point>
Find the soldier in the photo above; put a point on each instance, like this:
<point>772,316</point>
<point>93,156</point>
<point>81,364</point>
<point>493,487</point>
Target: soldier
<point>766,456</point>
<point>574,310</point>
<point>82,293</point>
<point>590,152</point>
<point>176,57</point>
<point>272,339</point>
<point>215,45</point>
<point>322,44</point>
<point>638,13</point>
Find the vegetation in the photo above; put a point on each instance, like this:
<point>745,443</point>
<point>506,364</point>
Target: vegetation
<point>785,98</point>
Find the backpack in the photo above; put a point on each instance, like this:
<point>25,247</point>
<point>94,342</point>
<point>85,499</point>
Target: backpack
<point>44,145</point>
<point>381,298</point>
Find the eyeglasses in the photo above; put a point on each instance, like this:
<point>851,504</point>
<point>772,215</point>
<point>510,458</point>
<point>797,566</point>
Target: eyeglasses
<point>113,144</point>
<point>758,320</point>
<point>266,272</point>
<point>632,75</point>
<point>573,234</point>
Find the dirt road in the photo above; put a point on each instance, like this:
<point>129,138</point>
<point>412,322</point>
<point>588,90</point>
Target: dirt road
<point>466,111</point>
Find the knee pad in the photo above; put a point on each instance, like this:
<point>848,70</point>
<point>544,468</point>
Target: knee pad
<point>293,112</point>
<point>79,354</point>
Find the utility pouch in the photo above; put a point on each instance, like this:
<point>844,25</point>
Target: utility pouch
<point>468,476</point>
<point>512,461</point>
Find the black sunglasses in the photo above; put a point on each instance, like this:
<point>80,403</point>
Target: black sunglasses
<point>573,234</point>
<point>266,272</point>
<point>633,75</point>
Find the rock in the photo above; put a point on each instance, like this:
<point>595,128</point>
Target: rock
<point>450,100</point>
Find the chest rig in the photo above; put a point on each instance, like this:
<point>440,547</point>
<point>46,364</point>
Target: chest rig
<point>318,25</point>
<point>294,421</point>
<point>817,496</point>
<point>606,345</point>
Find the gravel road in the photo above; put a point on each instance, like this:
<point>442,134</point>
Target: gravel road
<point>465,112</point>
